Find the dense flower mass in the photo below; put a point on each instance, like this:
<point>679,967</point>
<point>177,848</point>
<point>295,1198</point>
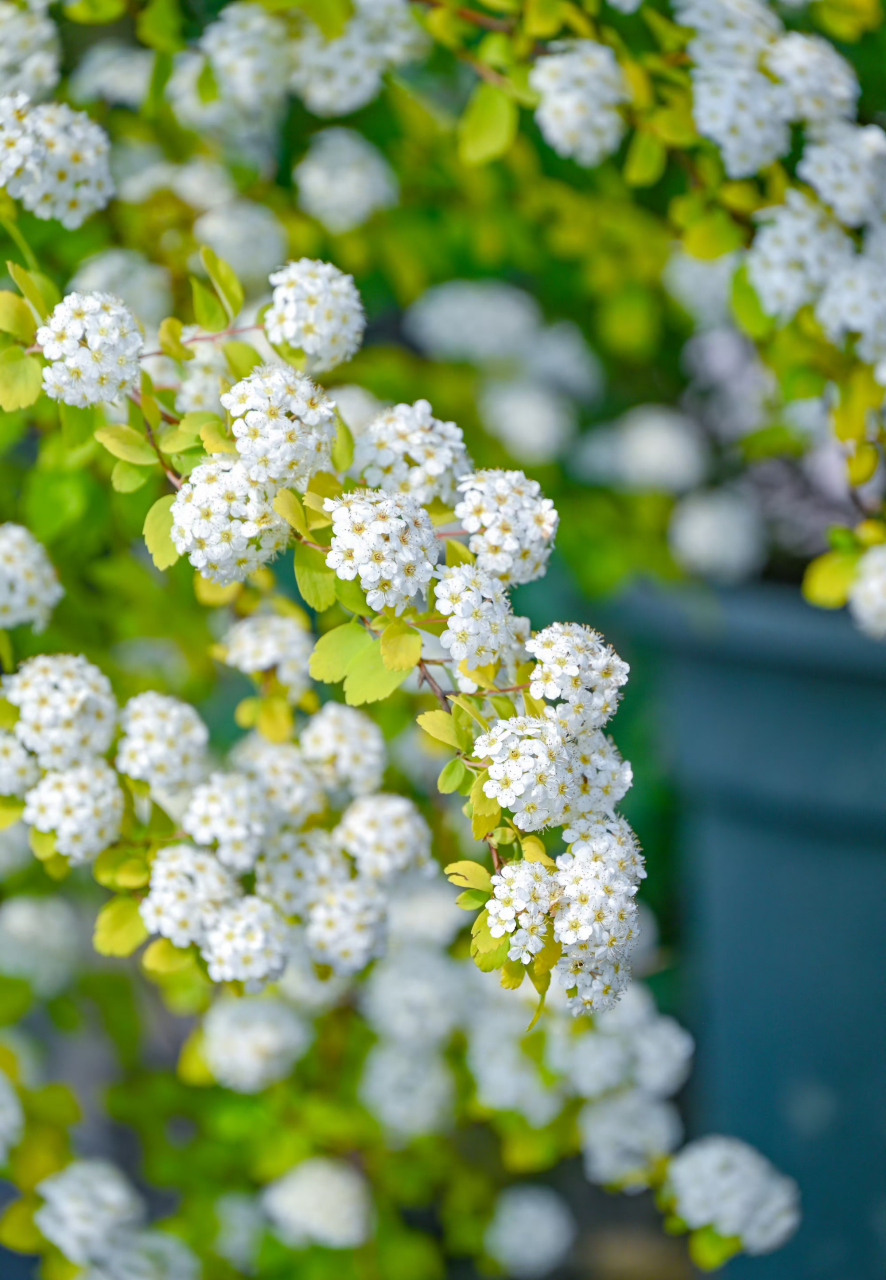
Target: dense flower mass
<point>29,50</point>
<point>187,888</point>
<point>407,450</point>
<point>164,741</point>
<point>581,87</point>
<point>93,344</point>
<point>576,665</point>
<point>387,541</point>
<point>19,770</point>
<point>67,711</point>
<point>346,748</point>
<point>316,309</point>
<point>511,525</point>
<point>246,942</point>
<point>269,642</point>
<point>29,585</point>
<point>384,834</point>
<point>284,427</point>
<point>82,806</point>
<point>343,180</point>
<point>320,1201</point>
<point>54,160</point>
<point>251,1043</point>
<point>286,782</point>
<point>227,812</point>
<point>480,626</point>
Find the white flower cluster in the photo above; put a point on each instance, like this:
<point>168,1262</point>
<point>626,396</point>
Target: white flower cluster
<point>346,925</point>
<point>248,236</point>
<point>343,180</point>
<point>252,1042</point>
<point>297,868</point>
<point>83,805</point>
<point>624,1135</point>
<point>384,834</point>
<point>576,664</point>
<point>320,1201</point>
<point>268,642</point>
<point>40,941</point>
<point>29,50</point>
<point>286,783</point>
<point>511,525</point>
<point>315,308</point>
<point>387,540</point>
<point>143,286</point>
<point>284,427</point>
<point>164,742</point>
<point>336,77</point>
<point>200,388</point>
<point>29,585</point>
<point>247,941</point>
<point>718,534</point>
<point>847,167</point>
<point>867,595</point>
<point>227,811</point>
<point>853,300</point>
<point>531,1232</point>
<point>725,1184</point>
<point>93,344</point>
<point>188,886</point>
<point>535,422</point>
<point>113,72</point>
<point>345,747</point>
<point>651,447</point>
<point>152,1254</point>
<point>224,522</point>
<point>796,251</point>
<point>67,710</point>
<point>19,770</point>
<point>581,87</point>
<point>12,1117</point>
<point>480,626</point>
<point>407,450</point>
<point>54,160</point>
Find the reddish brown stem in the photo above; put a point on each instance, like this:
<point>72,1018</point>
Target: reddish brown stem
<point>483,20</point>
<point>204,337</point>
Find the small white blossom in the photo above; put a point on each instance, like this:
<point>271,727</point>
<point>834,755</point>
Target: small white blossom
<point>387,540</point>
<point>410,1093</point>
<point>320,1201</point>
<point>29,585</point>
<point>581,86</point>
<point>345,747</point>
<point>415,996</point>
<point>316,308</point>
<point>85,1208</point>
<point>534,422</point>
<point>19,770</point>
<point>164,741</point>
<point>343,180</point>
<point>145,1255</point>
<point>200,387</point>
<point>284,426</point>
<point>93,344</point>
<point>252,1042</point>
<point>83,805</point>
<point>407,450</point>
<point>271,642</point>
<point>822,84</point>
<point>531,1232</point>
<point>247,941</point>
<point>187,888</point>
<point>117,73</point>
<point>511,525</point>
<point>847,167</point>
<point>40,941</point>
<point>745,113</point>
<point>227,811</point>
<point>574,663</point>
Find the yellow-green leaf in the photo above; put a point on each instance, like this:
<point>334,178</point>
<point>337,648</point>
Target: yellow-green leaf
<point>746,307</point>
<point>192,1066</point>
<point>828,578</point>
<point>439,725</point>
<point>78,425</point>
<point>343,448</point>
<point>368,679</point>
<point>534,851</point>
<point>215,440</point>
<point>274,720</point>
<point>170,337</point>
<point>125,478</point>
<point>315,580</point>
<point>18,1231</point>
<point>349,593</point>
<point>42,844</point>
<point>21,379</point>
<point>158,532</point>
<point>646,160</point>
<point>95,12</point>
<point>451,777</point>
<point>241,358</point>
<point>159,26</point>
<point>331,16</point>
<point>712,236</point>
<point>121,869</point>
<point>710,1251</point>
<point>512,974</point>
<point>288,505</point>
<point>457,553</point>
<point>126,444</point>
<point>11,809</point>
<point>208,310</point>
<point>119,928</point>
<point>39,291</point>
<point>224,278</point>
<point>16,317</point>
<point>334,652</point>
<point>469,875</point>
<point>488,126</point>
<point>542,18</point>
<point>471,899</point>
<point>400,646</point>
<point>162,957</point>
<point>487,961</point>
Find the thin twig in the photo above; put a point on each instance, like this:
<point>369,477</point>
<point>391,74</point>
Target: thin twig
<point>203,337</point>
<point>172,476</point>
<point>426,678</point>
<point>471,15</point>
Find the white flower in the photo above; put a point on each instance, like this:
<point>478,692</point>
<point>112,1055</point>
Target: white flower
<point>346,925</point>
<point>164,741</point>
<point>511,525</point>
<point>29,585</point>
<point>316,308</point>
<point>745,113</point>
<point>384,834</point>
<point>822,84</point>
<point>144,287</point>
<point>19,770</point>
<point>581,85</point>
<point>867,595</point>
<point>297,869</point>
<point>271,642</point>
<point>228,811</point>
<point>282,777</point>
<point>531,1232</point>
<point>795,252</point>
<point>40,941</point>
<point>93,344</point>
<point>284,427</point>
<point>145,1255</point>
<point>479,321</point>
<point>343,180</point>
<point>387,540</point>
<point>252,1042</point>
<point>224,522</point>
<point>83,805</point>
<point>247,235</point>
<point>85,1207</point>
<point>407,450</point>
<point>29,51</point>
<point>116,73</point>
<point>847,167</point>
<point>651,447</point>
<point>345,747</point>
<point>576,664</point>
<point>246,941</point>
<point>410,1093</point>
<point>187,888</point>
<point>718,534</point>
<point>624,1135</point>
<point>726,1184</point>
<point>12,1118</point>
<point>534,422</point>
<point>320,1201</point>
<point>414,996</point>
<point>54,160</point>
<point>478,615</point>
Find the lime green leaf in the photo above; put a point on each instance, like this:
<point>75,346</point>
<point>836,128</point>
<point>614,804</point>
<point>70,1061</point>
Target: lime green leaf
<point>126,444</point>
<point>315,580</point>
<point>710,1251</point>
<point>21,379</point>
<point>487,961</point>
<point>343,449</point>
<point>457,553</point>
<point>241,358</point>
<point>158,532</point>
<point>207,85</point>
<point>539,1008</point>
<point>18,1231</point>
<point>224,278</point>
<point>439,725</point>
<point>331,16</point>
<point>7,657</point>
<point>288,505</point>
<point>712,236</point>
<point>95,12</point>
<point>208,311</point>
<point>78,425</point>
<point>512,974</point>
<point>828,578</point>
<point>170,338</point>
<point>488,126</point>
<point>400,646</point>
<point>368,679</point>
<point>451,777</point>
<point>121,868</point>
<point>534,851</point>
<point>542,18</point>
<point>646,160</point>
<point>163,957</point>
<point>192,1066</point>
<point>159,26</point>
<point>746,308</point>
<point>125,478</point>
<point>42,843</point>
<point>16,317</point>
<point>334,652</point>
<point>119,928</point>
<point>349,593</point>
<point>214,438</point>
<point>469,875</point>
<point>472,899</point>
<point>8,715</point>
<point>11,809</point>
<point>36,288</point>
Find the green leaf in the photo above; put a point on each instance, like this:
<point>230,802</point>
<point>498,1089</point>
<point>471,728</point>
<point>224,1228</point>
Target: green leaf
<point>331,16</point>
<point>11,809</point>
<point>487,961</point>
<point>486,812</point>
<point>440,725</point>
<point>709,1250</point>
<point>18,1231</point>
<point>349,593</point>
<point>457,553</point>
<point>288,505</point>
<point>7,657</point>
<point>125,478</point>
<point>512,974</point>
<point>214,438</point>
<point>170,338</point>
<point>747,309</point>
<point>400,646</point>
<point>37,289</point>
<point>534,850</point>
<point>207,85</point>
<point>241,358</point>
<point>712,236</point>
<point>16,317</point>
<point>368,679</point>
<point>646,160</point>
<point>224,278</point>
<point>21,379</point>
<point>42,844</point>
<point>542,18</point>
<point>163,957</point>
<point>469,875</point>
<point>343,448</point>
<point>157,530</point>
<point>334,652</point>
<point>127,445</point>
<point>208,311</point>
<point>95,12</point>
<point>78,425</point>
<point>471,899</point>
<point>451,777</point>
<point>159,26</point>
<point>488,126</point>
<point>119,928</point>
<point>121,868</point>
<point>828,578</point>
<point>315,580</point>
